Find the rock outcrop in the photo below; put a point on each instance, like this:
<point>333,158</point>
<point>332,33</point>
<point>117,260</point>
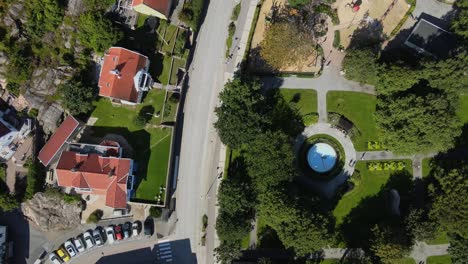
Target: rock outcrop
<point>51,213</point>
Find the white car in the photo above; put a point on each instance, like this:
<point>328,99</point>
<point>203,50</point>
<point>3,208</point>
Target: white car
<point>79,245</point>
<point>136,228</point>
<point>54,259</point>
<point>68,245</point>
<point>97,237</point>
<point>110,234</point>
<point>89,241</point>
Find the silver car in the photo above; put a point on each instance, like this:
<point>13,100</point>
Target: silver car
<point>97,237</point>
<point>79,245</point>
<point>68,245</point>
<point>88,238</point>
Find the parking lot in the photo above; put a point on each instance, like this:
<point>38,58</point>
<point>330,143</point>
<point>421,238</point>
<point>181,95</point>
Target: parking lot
<point>120,242</point>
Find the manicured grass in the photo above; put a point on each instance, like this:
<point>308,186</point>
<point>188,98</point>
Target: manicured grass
<point>170,110</point>
<point>359,108</point>
<point>440,238</point>
<point>463,108</point>
<point>426,167</point>
<point>304,100</point>
<point>245,242</point>
<point>330,261</point>
<point>444,259</point>
<point>150,144</point>
<point>164,72</point>
<point>370,184</point>
<point>170,39</point>
<point>141,20</point>
<point>176,64</point>
<point>406,261</point>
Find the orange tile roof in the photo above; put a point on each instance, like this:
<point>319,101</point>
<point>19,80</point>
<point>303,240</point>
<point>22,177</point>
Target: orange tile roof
<point>56,141</point>
<point>121,85</point>
<point>162,6</point>
<point>104,175</point>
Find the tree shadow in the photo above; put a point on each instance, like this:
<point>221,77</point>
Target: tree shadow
<point>367,35</point>
<point>356,227</point>
<point>284,117</point>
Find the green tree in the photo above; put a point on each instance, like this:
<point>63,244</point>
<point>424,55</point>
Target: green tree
<point>43,16</point>
<point>297,228</point>
<point>98,4</point>
<point>97,32</point>
<point>449,75</point>
<point>460,22</point>
<point>228,251</point>
<point>285,45</point>
<point>77,97</point>
<point>397,77</point>
<point>236,197</point>
<point>449,193</point>
<point>420,226</point>
<point>390,245</point>
<point>19,68</point>
<point>270,160</point>
<point>8,202</point>
<point>458,249</point>
<point>243,113</point>
<point>232,227</point>
<point>361,65</point>
<point>298,3</point>
<point>417,123</point>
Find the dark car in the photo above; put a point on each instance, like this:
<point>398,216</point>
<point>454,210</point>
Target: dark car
<point>149,227</point>
<point>127,229</point>
<point>118,232</point>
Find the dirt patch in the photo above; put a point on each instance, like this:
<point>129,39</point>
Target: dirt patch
<point>262,20</point>
<point>388,12</point>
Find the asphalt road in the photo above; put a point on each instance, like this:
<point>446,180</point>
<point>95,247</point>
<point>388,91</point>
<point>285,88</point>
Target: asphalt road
<point>200,144</point>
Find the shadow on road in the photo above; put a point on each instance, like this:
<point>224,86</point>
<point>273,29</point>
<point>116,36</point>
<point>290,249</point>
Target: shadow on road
<point>18,231</point>
<point>178,251</point>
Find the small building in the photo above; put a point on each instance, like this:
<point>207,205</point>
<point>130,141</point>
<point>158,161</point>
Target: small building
<point>69,127</point>
<point>157,8</point>
<point>12,132</point>
<point>124,76</point>
<point>97,170</point>
<point>429,39</point>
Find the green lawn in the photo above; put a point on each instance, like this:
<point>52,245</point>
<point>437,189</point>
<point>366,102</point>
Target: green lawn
<point>141,20</point>
<point>305,100</point>
<point>369,185</point>
<point>407,261</point>
<point>426,167</point>
<point>163,76</point>
<point>178,63</point>
<point>445,259</point>
<point>150,144</point>
<point>463,108</point>
<point>359,108</point>
<point>170,110</point>
<point>440,238</point>
<point>170,39</point>
<point>330,261</point>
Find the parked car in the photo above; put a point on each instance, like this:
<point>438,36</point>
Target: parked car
<point>79,244</point>
<point>54,259</point>
<point>62,253</point>
<point>126,230</point>
<point>118,232</point>
<point>97,237</point>
<point>110,234</point>
<point>88,238</point>
<point>149,227</point>
<point>68,245</point>
<point>136,228</point>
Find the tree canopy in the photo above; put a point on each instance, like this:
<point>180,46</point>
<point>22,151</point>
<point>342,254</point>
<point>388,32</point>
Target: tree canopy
<point>77,97</point>
<point>416,122</point>
<point>458,249</point>
<point>449,193</point>
<point>97,32</point>
<point>390,245</point>
<point>243,113</point>
<point>460,23</point>
<point>8,202</point>
<point>285,45</point>
<point>43,16</point>
<point>361,65</point>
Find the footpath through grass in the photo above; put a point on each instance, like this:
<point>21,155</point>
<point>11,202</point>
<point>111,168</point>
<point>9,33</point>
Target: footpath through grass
<point>370,184</point>
<point>150,144</point>
<point>359,108</point>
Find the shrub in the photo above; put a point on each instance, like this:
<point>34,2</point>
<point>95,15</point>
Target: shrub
<point>310,119</point>
<point>205,222</point>
<point>155,211</point>
<point>13,88</point>
<point>236,12</point>
<point>33,112</point>
<point>180,43</point>
<point>337,40</point>
<point>95,216</point>
<point>191,13</point>
<point>326,9</point>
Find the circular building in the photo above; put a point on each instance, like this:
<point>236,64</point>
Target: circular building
<point>321,157</point>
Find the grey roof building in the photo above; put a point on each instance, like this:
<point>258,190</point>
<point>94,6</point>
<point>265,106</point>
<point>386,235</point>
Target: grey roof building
<point>430,39</point>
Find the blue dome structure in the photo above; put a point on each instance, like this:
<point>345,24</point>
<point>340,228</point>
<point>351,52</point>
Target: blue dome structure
<point>321,157</point>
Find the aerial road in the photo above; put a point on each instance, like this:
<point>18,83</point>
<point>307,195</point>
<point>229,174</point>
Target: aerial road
<point>200,144</point>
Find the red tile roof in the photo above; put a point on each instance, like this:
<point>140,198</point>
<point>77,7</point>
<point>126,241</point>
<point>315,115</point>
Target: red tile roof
<point>56,141</point>
<point>162,6</point>
<point>119,84</point>
<point>104,175</point>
